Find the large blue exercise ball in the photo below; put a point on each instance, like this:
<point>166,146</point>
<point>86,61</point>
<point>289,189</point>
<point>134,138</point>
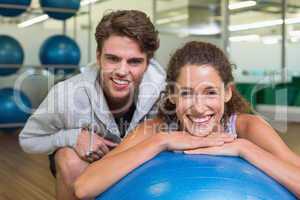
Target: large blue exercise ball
<point>15,108</point>
<point>60,50</point>
<point>13,8</point>
<point>60,9</point>
<point>11,55</point>
<point>176,176</point>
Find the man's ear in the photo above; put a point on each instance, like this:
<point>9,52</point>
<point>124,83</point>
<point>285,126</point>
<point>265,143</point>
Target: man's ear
<point>228,92</point>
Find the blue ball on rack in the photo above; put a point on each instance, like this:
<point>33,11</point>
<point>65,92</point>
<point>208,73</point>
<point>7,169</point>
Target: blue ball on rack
<point>13,8</point>
<point>60,50</point>
<point>15,108</point>
<point>175,176</point>
<point>11,53</point>
<point>60,10</point>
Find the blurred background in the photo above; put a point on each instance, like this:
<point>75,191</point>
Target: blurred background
<point>43,42</point>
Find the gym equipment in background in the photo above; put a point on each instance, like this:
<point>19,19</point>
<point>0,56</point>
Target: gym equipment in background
<point>245,89</point>
<point>296,83</point>
<point>13,8</point>
<point>60,10</point>
<point>15,109</point>
<point>283,94</point>
<point>286,94</point>
<point>60,50</point>
<point>176,176</point>
<point>11,54</point>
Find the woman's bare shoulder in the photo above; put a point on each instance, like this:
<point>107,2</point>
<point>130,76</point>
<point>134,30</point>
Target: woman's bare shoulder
<point>246,122</point>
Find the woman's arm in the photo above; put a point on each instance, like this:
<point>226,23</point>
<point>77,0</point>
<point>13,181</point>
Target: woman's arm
<point>259,132</point>
<point>142,145</point>
<point>268,152</point>
<point>103,173</point>
<point>259,144</point>
<point>82,185</point>
<point>284,172</point>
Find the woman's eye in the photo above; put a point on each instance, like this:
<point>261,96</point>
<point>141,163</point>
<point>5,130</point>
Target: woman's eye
<point>212,92</point>
<point>185,94</point>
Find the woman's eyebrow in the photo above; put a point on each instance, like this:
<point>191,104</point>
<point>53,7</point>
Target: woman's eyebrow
<point>211,87</point>
<point>186,88</point>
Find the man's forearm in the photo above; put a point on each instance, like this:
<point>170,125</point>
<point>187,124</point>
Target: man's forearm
<point>32,142</point>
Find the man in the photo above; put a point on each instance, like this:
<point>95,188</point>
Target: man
<point>109,100</point>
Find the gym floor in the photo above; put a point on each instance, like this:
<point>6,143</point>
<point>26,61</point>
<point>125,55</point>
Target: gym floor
<point>24,176</point>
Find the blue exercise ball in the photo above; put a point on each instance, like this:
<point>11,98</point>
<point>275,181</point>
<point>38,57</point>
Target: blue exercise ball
<point>11,53</point>
<point>7,7</point>
<point>70,6</point>
<point>60,50</point>
<point>15,108</point>
<point>176,176</point>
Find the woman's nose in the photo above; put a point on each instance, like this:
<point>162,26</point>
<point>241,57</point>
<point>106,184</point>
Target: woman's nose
<point>199,103</point>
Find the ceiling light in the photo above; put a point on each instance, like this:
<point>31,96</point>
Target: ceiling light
<point>172,19</point>
<point>32,21</point>
<point>245,38</point>
<point>295,39</point>
<point>263,24</point>
<point>87,2</point>
<point>273,39</point>
<point>45,17</point>
<point>243,4</point>
<point>294,33</point>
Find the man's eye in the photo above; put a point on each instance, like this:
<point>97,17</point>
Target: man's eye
<point>135,62</point>
<point>113,59</point>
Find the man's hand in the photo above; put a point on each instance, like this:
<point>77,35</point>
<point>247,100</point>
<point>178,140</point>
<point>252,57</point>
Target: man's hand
<point>100,146</point>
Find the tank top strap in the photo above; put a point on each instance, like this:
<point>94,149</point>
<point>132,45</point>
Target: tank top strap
<point>231,125</point>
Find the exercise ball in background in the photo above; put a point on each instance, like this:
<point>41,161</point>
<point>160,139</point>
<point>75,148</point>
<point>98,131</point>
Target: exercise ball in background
<point>15,108</point>
<point>70,6</point>
<point>11,53</point>
<point>176,176</point>
<point>13,12</point>
<point>60,50</point>
<point>35,83</point>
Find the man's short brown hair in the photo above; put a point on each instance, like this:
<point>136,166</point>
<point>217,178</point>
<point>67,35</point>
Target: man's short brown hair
<point>133,24</point>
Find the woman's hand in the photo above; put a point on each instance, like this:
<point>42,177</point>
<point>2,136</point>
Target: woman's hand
<point>233,148</point>
<point>182,141</point>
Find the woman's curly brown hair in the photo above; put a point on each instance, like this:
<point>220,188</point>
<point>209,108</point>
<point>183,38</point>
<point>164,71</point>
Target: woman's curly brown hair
<point>133,24</point>
<point>201,53</point>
